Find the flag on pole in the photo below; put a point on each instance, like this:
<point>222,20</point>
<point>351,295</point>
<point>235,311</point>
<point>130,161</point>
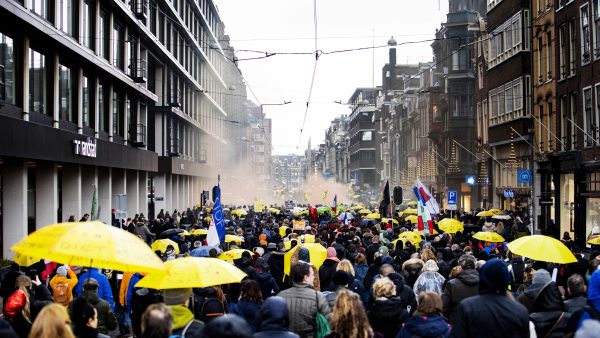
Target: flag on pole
<point>386,201</point>
<point>94,209</point>
<point>420,223</point>
<point>213,236</point>
<point>425,196</point>
<point>334,207</point>
<point>217,215</point>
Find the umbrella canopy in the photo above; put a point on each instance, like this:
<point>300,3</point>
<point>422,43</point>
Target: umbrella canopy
<point>542,248</point>
<point>412,204</point>
<point>318,253</point>
<point>412,218</point>
<point>412,236</point>
<point>357,207</point>
<point>239,212</point>
<point>233,238</point>
<point>364,211</point>
<point>489,236</point>
<point>451,225</point>
<point>24,260</point>
<point>204,251</point>
<point>199,232</point>
<point>385,220</point>
<point>323,209</point>
<point>92,244</point>
<point>594,240</point>
<point>282,230</point>
<point>347,214</point>
<point>486,213</point>
<point>192,272</point>
<point>366,221</point>
<point>162,244</point>
<point>410,211</point>
<point>233,254</point>
<point>373,216</point>
<point>496,211</point>
<point>274,211</point>
<point>171,232</point>
<point>501,217</point>
<point>308,238</point>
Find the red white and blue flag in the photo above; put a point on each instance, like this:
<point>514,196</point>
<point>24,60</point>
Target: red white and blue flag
<point>426,198</point>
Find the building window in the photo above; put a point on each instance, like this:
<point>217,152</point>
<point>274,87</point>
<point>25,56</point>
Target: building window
<point>572,44</point>
<point>564,123</point>
<point>118,46</point>
<point>40,7</point>
<point>551,134</point>
<point>539,59</point>
<point>596,17</point>
<point>85,98</point>
<point>549,63</point>
<point>117,112</point>
<point>367,136</point>
<point>572,112</point>
<point>597,113</point>
<point>37,82</point>
<point>87,24</point>
<point>103,35</point>
<point>7,70</point>
<point>64,22</point>
<point>103,108</point>
<point>589,121</point>
<point>65,94</point>
<point>562,52</point>
<point>585,34</point>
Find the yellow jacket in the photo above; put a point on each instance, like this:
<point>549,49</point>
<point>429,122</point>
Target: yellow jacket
<point>124,286</point>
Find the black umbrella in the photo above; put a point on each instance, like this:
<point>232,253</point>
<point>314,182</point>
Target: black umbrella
<point>169,233</point>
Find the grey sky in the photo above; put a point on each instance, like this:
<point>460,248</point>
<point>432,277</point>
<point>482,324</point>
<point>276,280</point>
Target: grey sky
<point>277,26</point>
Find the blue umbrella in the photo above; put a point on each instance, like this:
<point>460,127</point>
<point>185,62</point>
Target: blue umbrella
<point>203,251</point>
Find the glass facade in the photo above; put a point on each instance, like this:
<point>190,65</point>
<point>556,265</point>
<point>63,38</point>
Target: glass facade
<point>37,82</point>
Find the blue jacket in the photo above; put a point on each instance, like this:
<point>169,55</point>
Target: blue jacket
<point>247,310</point>
<point>104,290</point>
<point>131,289</point>
<point>424,326</point>
<point>272,320</point>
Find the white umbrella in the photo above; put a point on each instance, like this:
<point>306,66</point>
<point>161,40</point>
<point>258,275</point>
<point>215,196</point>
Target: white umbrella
<point>348,214</point>
<point>501,217</point>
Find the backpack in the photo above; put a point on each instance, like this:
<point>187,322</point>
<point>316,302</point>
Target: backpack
<point>60,293</point>
<point>208,308</point>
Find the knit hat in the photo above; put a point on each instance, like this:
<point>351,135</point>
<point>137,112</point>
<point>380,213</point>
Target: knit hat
<point>61,271</point>
<point>383,250</point>
<point>176,296</point>
<point>91,281</point>
<point>493,277</point>
<point>341,278</point>
<point>541,277</point>
<point>332,255</point>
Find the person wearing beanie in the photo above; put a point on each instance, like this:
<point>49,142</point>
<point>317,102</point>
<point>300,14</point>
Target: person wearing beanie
<point>340,281</point>
<point>105,317</point>
<point>491,313</point>
<point>327,270</point>
<point>184,323</point>
<point>540,279</point>
<point>465,284</point>
<point>62,286</point>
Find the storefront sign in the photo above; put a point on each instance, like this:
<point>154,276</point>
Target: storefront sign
<point>509,194</point>
<point>85,148</point>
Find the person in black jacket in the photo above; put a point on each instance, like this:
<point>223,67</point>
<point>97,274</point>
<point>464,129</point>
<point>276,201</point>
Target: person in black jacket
<point>404,292</point>
<point>272,320</point>
<point>548,315</point>
<point>492,313</point>
<point>276,266</point>
<point>327,270</point>
<point>386,313</point>
<point>267,284</point>
<point>245,264</point>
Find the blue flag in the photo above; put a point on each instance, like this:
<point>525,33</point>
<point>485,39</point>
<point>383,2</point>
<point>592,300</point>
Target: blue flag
<point>218,215</point>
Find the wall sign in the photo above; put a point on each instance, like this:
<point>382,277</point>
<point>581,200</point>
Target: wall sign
<point>85,148</point>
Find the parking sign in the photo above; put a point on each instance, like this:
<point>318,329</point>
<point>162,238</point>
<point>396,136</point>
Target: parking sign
<point>452,196</point>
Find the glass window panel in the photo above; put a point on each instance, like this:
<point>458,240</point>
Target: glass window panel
<point>37,82</point>
<point>7,91</point>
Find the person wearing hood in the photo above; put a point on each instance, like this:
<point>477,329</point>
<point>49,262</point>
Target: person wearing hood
<point>429,280</point>
<point>386,313</point>
<point>327,270</point>
<point>466,284</point>
<point>428,321</point>
<point>492,313</point>
<point>183,319</point>
<point>249,303</point>
<point>411,270</point>
<point>245,264</point>
<point>105,317</point>
<point>541,277</point>
<point>227,326</point>
<point>267,284</point>
<point>447,262</point>
<point>104,290</point>
<point>272,320</point>
<point>276,264</point>
<point>548,313</point>
<point>404,292</point>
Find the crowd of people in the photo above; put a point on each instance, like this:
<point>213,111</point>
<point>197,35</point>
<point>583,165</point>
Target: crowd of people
<point>369,285</point>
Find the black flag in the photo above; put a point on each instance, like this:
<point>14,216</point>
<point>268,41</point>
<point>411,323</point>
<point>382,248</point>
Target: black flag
<point>384,205</point>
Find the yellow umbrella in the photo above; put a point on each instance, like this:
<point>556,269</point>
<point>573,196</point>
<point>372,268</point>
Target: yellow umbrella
<point>412,204</point>
<point>486,213</point>
<point>411,236</point>
<point>542,248</point>
<point>92,244</point>
<point>451,225</point>
<point>282,230</point>
<point>373,216</point>
<point>594,240</point>
<point>357,207</point>
<point>410,211</point>
<point>198,232</point>
<point>496,211</point>
<point>233,254</point>
<point>385,220</point>
<point>318,253</point>
<point>489,236</point>
<point>233,238</point>
<point>412,218</point>
<point>274,211</point>
<point>192,272</point>
<point>239,212</point>
<point>162,244</point>
<point>309,238</point>
<point>364,211</point>
<point>24,260</point>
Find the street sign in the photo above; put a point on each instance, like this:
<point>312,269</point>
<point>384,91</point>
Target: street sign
<point>524,176</point>
<point>452,197</point>
<point>470,180</point>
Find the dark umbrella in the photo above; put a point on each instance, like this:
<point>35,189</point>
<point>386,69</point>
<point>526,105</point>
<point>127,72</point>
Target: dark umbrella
<point>169,233</point>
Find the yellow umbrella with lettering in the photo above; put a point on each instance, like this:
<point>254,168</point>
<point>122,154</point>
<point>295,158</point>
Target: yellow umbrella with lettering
<point>233,238</point>
<point>317,253</point>
<point>199,232</point>
<point>93,244</point>
<point>233,254</point>
<point>162,244</point>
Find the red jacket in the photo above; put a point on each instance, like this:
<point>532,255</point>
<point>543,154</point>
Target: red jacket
<point>15,304</point>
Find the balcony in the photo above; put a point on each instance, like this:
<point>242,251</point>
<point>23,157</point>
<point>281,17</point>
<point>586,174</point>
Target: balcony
<point>140,9</point>
<point>175,98</point>
<point>138,70</point>
<point>137,135</point>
